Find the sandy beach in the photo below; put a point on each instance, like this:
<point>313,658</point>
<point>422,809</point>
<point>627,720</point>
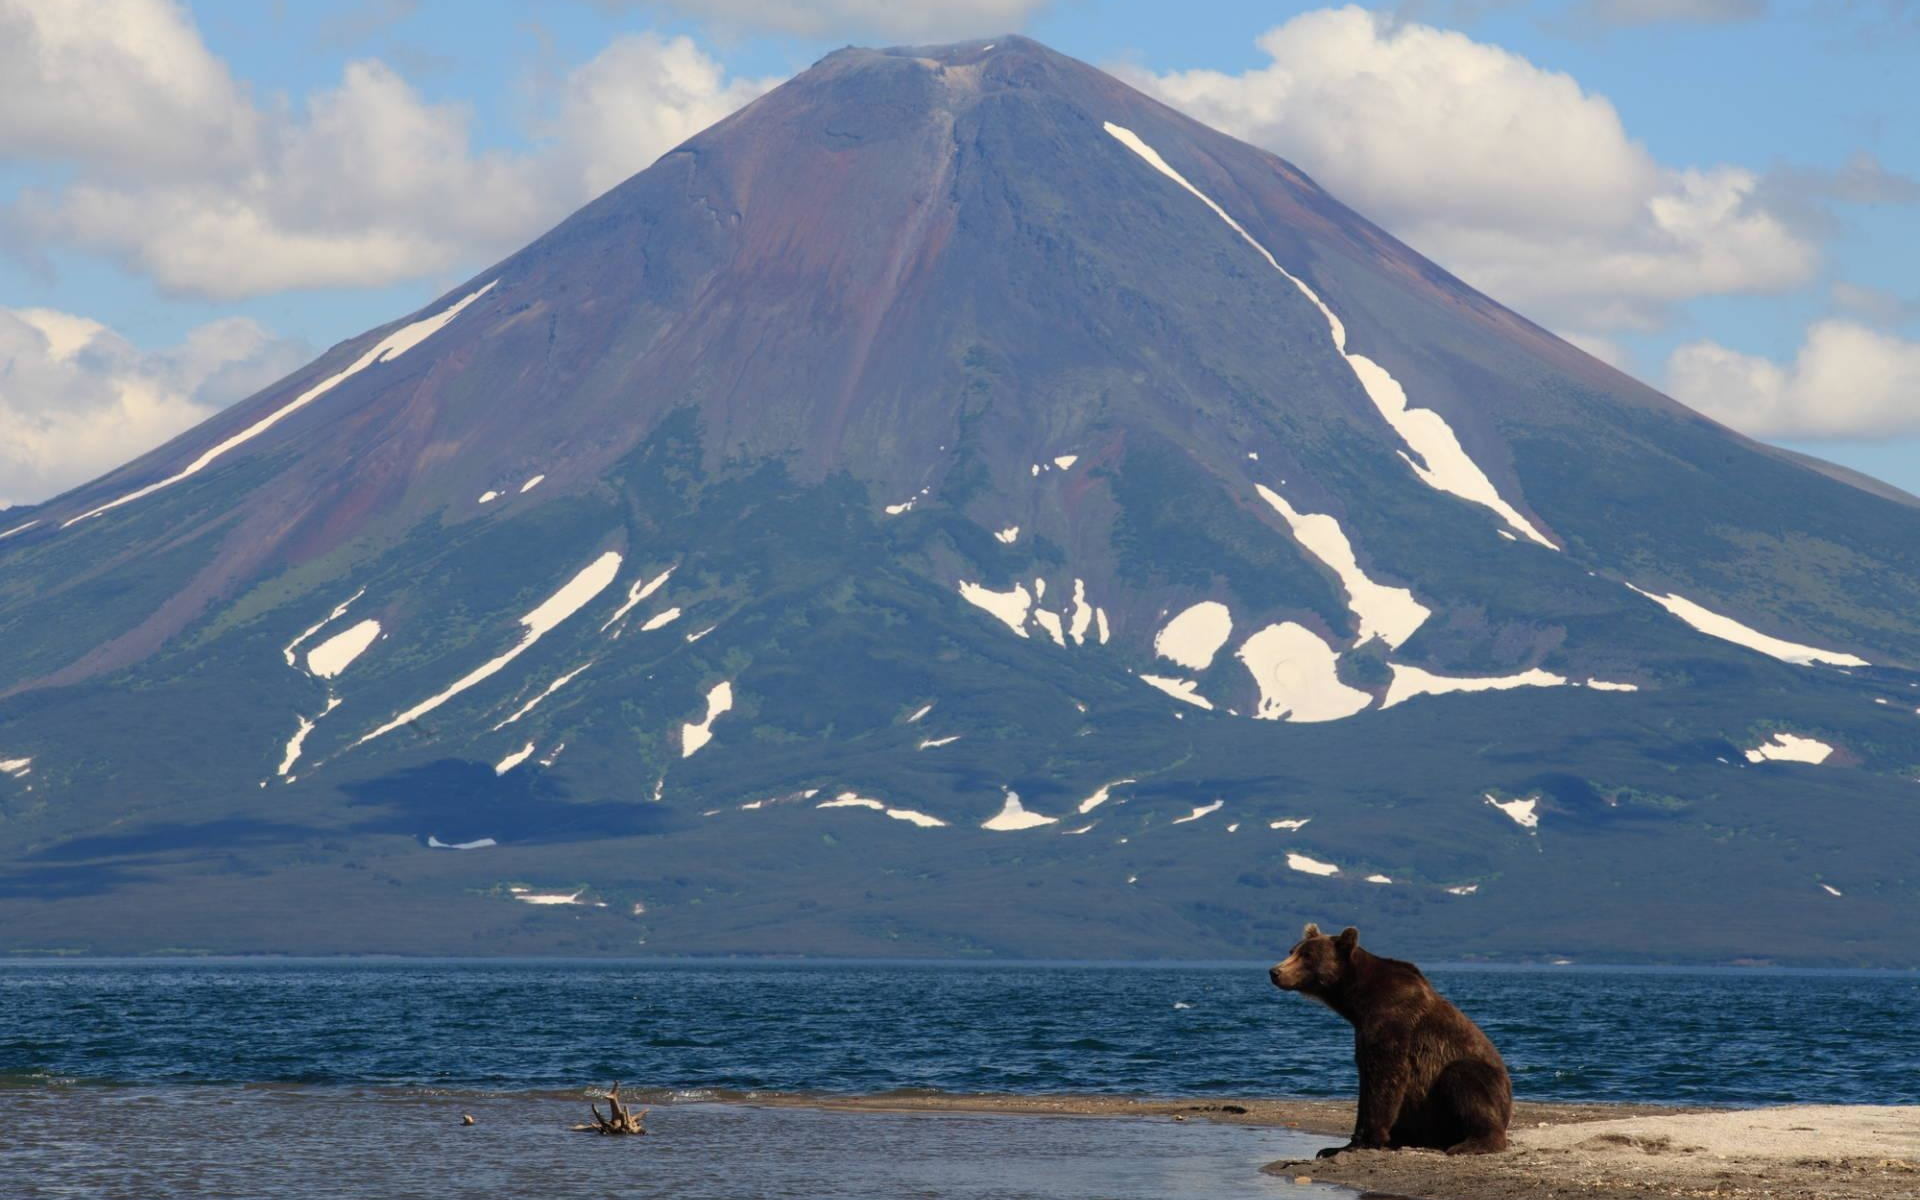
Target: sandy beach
<point>1618,1151</point>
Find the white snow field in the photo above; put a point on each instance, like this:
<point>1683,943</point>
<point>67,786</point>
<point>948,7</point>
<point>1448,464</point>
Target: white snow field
<point>573,596</point>
<point>1194,636</point>
<point>1788,747</point>
<point>337,653</point>
<point>1524,813</point>
<point>390,347</point>
<point>1013,816</point>
<point>693,736</point>
<point>1179,689</point>
<point>1409,682</point>
<point>1010,608</point>
<point>1389,613</point>
<point>1715,624</point>
<point>1295,673</point>
<point>1448,468</point>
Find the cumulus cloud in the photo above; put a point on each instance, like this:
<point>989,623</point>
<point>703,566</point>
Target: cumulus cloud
<point>1847,381</point>
<point>1509,174</point>
<point>77,399</point>
<point>181,178</point>
<point>932,19</point>
<point>125,82</point>
<point>638,97</point>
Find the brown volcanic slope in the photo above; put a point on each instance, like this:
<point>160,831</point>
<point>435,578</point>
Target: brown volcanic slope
<point>923,350</point>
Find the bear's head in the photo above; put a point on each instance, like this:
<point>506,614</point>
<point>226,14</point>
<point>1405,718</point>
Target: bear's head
<point>1317,964</point>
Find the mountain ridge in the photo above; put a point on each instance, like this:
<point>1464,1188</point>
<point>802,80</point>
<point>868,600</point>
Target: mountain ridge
<point>790,545</point>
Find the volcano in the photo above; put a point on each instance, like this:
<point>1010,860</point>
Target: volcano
<point>958,505</point>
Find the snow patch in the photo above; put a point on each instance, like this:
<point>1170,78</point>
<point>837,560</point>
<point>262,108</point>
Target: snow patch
<point>434,843</point>
<point>1082,613</point>
<point>1714,624</point>
<point>1101,796</point>
<point>922,711</point>
<point>1199,811</point>
<point>1378,879</point>
<point>1467,889</point>
<point>571,598</point>
<point>932,743</point>
<point>1010,608</point>
<point>551,688</point>
<point>1013,816</point>
<point>488,497</point>
<point>1007,536</point>
<point>390,347</point>
<point>1409,682</point>
<point>1310,866</point>
<point>1525,813</point>
<point>529,896</point>
<point>692,736</point>
<point>660,620</point>
<point>1448,468</point>
<point>1389,613</point>
<point>1066,461</point>
<point>1787,747</point>
<point>894,510</point>
<point>16,767</point>
<point>339,610</point>
<point>1050,621</point>
<point>18,529</point>
<point>910,816</point>
<point>1196,635</point>
<point>513,760</point>
<point>294,744</point>
<point>637,591</point>
<point>697,634</point>
<point>1297,676</point>
<point>1100,618</point>
<point>1601,685</point>
<point>1830,890</point>
<point>1292,823</point>
<point>337,653</point>
<point>531,484</point>
<point>1179,689</point>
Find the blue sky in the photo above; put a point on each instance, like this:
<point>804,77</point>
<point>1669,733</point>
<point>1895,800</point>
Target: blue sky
<point>1718,195</point>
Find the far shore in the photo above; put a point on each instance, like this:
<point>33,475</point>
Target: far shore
<point>1566,1151</point>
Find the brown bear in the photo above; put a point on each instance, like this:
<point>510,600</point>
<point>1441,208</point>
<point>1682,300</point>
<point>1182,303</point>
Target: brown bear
<point>1428,1076</point>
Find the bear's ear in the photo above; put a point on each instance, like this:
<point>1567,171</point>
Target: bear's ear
<point>1348,939</point>
<point>1311,931</point>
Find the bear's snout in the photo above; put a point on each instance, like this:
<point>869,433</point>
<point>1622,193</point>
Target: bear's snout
<point>1285,975</point>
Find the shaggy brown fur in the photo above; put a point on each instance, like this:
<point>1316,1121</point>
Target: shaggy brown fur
<point>1428,1076</point>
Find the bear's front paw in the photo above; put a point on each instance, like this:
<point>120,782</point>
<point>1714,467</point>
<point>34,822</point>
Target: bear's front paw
<point>1330,1151</point>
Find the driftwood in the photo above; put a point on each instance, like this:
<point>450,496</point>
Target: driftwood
<point>621,1120</point>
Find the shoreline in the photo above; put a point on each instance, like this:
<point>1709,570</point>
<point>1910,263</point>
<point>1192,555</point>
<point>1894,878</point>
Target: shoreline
<point>1565,1150</point>
<point>1570,1151</point>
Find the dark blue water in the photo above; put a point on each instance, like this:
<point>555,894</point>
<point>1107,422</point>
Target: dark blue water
<point>1710,1037</point>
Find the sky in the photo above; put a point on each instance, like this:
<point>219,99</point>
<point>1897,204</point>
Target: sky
<point>1721,197</point>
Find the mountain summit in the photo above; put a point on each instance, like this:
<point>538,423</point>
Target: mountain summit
<point>958,504</point>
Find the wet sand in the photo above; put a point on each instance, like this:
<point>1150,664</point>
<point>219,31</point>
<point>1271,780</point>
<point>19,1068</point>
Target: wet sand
<point>1807,1152</point>
<point>1566,1151</point>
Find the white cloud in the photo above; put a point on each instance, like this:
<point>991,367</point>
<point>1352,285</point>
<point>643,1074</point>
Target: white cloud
<point>929,19</point>
<point>182,179</point>
<point>1846,381</point>
<point>1512,176</point>
<point>76,399</point>
<point>122,81</point>
<point>640,96</point>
